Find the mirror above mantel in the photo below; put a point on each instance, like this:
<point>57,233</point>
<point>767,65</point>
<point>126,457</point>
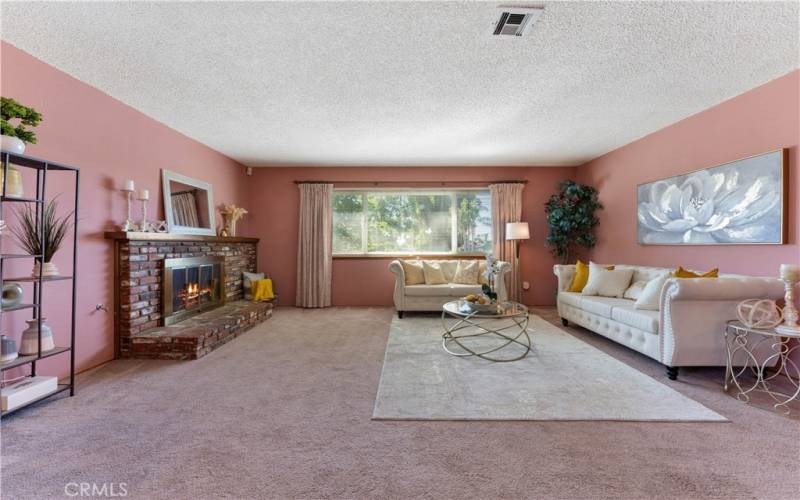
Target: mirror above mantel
<point>188,204</point>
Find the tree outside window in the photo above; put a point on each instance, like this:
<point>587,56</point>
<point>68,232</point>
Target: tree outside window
<point>409,222</point>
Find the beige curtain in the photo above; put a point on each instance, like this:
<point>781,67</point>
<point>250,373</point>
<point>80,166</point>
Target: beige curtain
<point>506,207</point>
<point>184,209</point>
<point>315,246</point>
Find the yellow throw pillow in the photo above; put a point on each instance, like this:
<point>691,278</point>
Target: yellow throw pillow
<point>433,273</point>
<point>262,290</point>
<point>581,276</point>
<point>685,273</point>
<point>413,272</point>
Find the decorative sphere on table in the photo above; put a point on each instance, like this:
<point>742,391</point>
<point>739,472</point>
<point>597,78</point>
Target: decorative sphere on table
<point>759,313</point>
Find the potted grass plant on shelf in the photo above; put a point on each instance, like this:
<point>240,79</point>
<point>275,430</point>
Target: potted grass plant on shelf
<point>54,230</point>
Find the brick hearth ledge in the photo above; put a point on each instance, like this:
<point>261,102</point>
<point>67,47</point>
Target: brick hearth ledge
<point>138,264</point>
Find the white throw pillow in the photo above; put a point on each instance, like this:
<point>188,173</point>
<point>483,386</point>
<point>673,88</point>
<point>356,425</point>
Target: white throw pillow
<point>412,269</point>
<point>635,290</point>
<point>448,268</point>
<point>433,273</point>
<point>607,283</point>
<point>650,298</point>
<point>466,272</point>
<point>247,279</point>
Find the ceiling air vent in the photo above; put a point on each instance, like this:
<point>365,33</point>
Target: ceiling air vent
<point>514,22</point>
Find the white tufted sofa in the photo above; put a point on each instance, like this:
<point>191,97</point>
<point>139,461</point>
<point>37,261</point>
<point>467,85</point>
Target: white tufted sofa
<point>687,331</point>
<point>433,297</point>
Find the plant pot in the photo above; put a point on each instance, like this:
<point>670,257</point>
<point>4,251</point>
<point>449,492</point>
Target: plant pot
<point>228,225</point>
<point>30,338</point>
<point>12,294</point>
<point>12,144</point>
<point>49,269</point>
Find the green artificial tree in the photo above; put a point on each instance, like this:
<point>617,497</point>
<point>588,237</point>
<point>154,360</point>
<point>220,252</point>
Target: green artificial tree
<point>570,219</point>
<point>28,117</point>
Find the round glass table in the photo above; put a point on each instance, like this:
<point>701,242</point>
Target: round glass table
<point>484,333</point>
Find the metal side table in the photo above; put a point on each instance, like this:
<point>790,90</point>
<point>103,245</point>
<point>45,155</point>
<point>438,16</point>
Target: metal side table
<point>746,345</point>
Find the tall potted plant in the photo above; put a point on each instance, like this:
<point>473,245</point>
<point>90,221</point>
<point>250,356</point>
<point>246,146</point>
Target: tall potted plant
<point>54,230</point>
<point>570,219</point>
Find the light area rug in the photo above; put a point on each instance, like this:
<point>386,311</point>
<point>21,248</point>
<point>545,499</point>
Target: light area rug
<point>562,378</point>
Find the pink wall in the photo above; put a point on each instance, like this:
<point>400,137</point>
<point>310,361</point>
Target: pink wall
<point>368,281</point>
<point>110,142</point>
<point>760,120</point>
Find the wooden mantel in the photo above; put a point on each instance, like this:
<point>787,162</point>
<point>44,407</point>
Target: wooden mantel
<point>137,236</point>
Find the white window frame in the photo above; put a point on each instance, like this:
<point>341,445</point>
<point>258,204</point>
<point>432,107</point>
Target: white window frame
<point>453,192</point>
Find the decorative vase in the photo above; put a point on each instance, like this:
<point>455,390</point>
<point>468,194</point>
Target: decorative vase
<point>30,338</point>
<point>228,225</point>
<point>8,349</point>
<point>49,269</point>
<point>12,294</point>
<point>14,188</point>
<point>12,144</point>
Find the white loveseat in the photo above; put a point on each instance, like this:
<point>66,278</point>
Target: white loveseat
<point>433,297</point>
<point>688,328</point>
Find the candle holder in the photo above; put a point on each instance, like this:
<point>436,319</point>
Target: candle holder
<point>129,224</point>
<point>143,226</point>
<point>790,313</point>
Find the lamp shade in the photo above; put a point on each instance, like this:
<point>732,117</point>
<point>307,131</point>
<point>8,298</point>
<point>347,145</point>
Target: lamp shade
<point>517,231</point>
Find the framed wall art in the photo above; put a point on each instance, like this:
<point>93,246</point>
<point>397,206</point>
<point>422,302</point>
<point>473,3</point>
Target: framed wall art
<point>742,202</point>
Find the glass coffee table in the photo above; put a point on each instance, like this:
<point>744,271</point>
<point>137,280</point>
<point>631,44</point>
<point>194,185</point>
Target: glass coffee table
<point>484,333</point>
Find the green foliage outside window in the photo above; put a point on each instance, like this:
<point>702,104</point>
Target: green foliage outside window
<point>347,213</point>
<point>411,222</point>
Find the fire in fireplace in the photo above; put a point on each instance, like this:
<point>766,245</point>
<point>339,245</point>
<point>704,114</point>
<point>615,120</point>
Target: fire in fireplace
<point>191,285</point>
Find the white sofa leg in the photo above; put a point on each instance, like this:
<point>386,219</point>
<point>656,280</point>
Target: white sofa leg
<point>400,314</point>
<point>564,322</point>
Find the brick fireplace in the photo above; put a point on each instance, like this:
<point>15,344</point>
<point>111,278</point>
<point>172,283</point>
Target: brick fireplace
<point>140,262</point>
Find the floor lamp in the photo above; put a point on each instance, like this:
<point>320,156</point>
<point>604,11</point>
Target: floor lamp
<point>516,231</point>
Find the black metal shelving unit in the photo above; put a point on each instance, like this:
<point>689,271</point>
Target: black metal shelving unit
<point>41,167</point>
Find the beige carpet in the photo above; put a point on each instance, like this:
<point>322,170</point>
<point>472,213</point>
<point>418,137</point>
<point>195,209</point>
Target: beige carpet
<point>284,412</point>
<point>562,378</point>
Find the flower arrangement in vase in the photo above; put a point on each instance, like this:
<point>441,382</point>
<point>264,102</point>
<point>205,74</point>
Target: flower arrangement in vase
<point>491,273</point>
<point>230,215</point>
<point>54,229</point>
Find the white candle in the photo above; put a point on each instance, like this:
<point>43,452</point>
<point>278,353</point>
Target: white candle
<point>129,185</point>
<point>144,195</point>
<point>790,272</point>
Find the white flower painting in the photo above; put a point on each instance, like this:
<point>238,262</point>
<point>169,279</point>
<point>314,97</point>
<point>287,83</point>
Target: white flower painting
<point>735,203</point>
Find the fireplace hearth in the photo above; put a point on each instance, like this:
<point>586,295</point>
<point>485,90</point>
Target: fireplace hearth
<point>192,285</point>
<point>140,302</point>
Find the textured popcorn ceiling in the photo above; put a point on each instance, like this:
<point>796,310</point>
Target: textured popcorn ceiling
<point>411,83</point>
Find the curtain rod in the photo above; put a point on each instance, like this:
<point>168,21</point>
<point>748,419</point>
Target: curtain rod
<point>439,183</point>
